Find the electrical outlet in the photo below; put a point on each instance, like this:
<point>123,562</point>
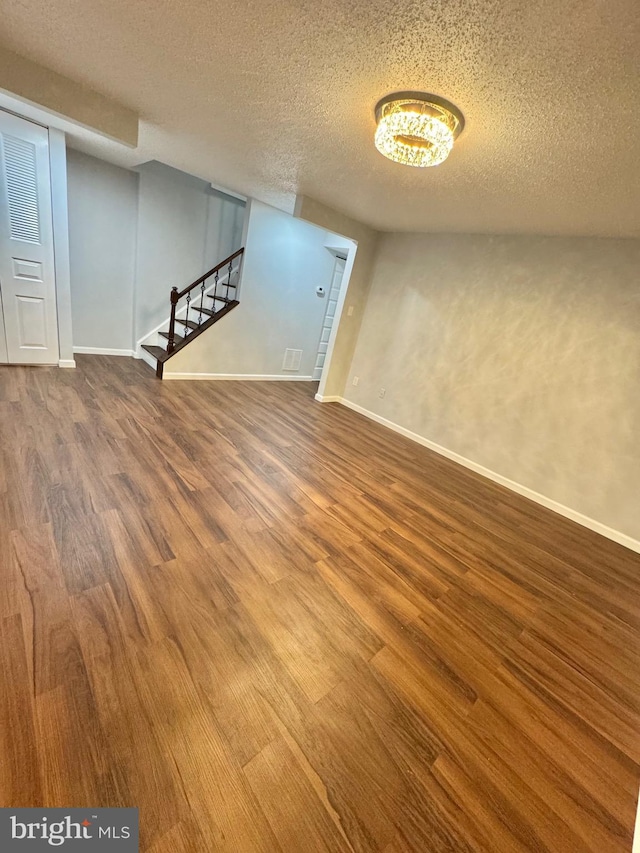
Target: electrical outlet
<point>356,379</point>
<point>350,311</point>
<point>381,393</point>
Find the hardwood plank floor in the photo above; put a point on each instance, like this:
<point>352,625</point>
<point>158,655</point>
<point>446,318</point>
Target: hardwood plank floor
<point>273,625</point>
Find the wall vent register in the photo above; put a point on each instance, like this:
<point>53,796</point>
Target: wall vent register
<point>292,359</point>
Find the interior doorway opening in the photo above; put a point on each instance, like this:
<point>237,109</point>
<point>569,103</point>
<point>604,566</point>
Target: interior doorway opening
<point>333,297</point>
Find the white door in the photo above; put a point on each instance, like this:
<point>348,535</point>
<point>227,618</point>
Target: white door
<point>329,314</point>
<point>27,277</point>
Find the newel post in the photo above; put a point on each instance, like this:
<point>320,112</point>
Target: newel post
<point>172,322</point>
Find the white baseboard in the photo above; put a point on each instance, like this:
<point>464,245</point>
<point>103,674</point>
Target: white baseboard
<point>525,491</point>
<point>329,399</point>
<point>236,377</point>
<point>103,351</point>
<point>66,362</point>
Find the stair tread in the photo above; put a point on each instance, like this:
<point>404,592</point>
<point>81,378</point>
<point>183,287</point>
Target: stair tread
<point>220,298</point>
<point>224,284</point>
<point>176,337</point>
<point>204,310</point>
<point>156,352</point>
<point>161,355</point>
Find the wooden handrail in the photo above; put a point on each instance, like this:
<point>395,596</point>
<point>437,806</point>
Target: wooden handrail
<point>176,295</point>
<point>202,278</point>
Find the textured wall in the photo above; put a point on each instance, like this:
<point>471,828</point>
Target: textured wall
<point>519,353</point>
<point>356,296</point>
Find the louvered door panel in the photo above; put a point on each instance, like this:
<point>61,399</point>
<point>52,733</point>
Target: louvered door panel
<point>20,168</point>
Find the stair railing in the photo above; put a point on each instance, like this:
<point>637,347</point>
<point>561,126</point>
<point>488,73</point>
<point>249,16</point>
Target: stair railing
<point>199,310</point>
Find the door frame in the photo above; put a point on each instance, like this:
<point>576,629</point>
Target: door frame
<point>337,245</point>
<point>337,258</point>
<point>62,265</point>
<point>60,218</point>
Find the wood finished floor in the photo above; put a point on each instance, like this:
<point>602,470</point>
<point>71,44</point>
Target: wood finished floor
<point>273,625</point>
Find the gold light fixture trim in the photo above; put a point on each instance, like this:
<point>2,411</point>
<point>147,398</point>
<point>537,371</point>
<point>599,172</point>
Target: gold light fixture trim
<point>417,129</point>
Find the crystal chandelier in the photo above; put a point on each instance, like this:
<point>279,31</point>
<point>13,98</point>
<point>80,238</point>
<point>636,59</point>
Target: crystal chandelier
<point>416,129</point>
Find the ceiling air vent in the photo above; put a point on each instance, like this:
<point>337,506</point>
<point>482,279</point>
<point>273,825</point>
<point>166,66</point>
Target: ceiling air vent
<point>292,358</point>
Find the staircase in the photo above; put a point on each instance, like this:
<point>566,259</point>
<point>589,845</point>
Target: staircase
<point>190,317</point>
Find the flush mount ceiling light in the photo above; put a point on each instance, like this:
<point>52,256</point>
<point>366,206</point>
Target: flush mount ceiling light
<point>417,129</point>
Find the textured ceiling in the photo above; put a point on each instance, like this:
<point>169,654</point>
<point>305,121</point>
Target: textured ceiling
<point>276,98</point>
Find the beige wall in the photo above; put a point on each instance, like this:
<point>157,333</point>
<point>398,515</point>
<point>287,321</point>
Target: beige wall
<point>64,97</point>
<point>359,282</point>
<point>520,353</point>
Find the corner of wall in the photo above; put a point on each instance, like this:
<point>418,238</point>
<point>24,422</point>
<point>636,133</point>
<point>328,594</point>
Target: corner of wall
<point>366,238</point>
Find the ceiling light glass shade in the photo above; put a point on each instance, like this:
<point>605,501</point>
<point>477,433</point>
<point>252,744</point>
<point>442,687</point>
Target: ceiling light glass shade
<point>417,129</point>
